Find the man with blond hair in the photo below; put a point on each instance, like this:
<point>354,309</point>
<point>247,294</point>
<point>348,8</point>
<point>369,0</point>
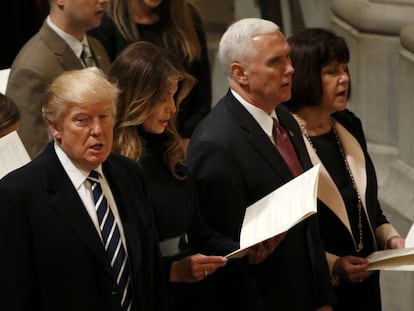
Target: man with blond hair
<point>78,232</point>
<point>57,47</point>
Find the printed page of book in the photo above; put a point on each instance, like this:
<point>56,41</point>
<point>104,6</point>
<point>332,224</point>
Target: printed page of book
<point>409,240</point>
<point>12,153</point>
<point>4,77</point>
<point>279,211</point>
<point>401,259</point>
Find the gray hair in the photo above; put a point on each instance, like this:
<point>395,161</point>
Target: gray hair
<point>236,44</point>
<point>84,86</point>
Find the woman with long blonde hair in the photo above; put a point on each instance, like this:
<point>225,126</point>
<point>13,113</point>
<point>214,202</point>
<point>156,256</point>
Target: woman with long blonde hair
<point>175,26</point>
<point>152,87</point>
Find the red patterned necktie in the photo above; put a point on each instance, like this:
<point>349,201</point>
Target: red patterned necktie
<point>285,148</point>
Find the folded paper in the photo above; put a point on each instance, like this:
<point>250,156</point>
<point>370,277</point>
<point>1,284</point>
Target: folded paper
<point>279,211</point>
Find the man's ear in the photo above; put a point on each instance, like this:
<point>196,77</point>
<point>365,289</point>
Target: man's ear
<point>239,74</point>
<point>54,130</point>
<point>59,3</point>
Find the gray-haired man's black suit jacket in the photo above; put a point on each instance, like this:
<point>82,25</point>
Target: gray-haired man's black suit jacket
<point>234,164</point>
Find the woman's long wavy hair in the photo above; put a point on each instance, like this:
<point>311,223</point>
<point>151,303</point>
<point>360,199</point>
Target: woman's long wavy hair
<point>144,73</point>
<point>177,20</point>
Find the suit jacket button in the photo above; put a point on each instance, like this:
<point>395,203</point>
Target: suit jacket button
<point>114,290</point>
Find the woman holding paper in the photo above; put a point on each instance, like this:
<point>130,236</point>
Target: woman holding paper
<point>152,87</point>
<point>352,224</point>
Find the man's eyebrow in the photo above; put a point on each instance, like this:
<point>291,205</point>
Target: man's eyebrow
<point>274,59</point>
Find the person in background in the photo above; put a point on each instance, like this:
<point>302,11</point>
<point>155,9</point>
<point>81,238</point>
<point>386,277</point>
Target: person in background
<point>9,116</point>
<point>59,253</point>
<point>152,87</point>
<point>174,25</point>
<point>236,157</point>
<point>352,224</point>
<point>57,47</point>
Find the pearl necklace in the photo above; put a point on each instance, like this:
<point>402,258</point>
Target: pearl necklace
<point>360,244</point>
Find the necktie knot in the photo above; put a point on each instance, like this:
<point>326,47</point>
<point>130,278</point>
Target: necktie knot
<point>93,177</point>
<point>277,130</point>
<point>285,148</point>
<point>87,57</point>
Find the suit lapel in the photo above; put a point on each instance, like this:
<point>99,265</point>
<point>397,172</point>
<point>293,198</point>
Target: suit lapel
<point>356,159</point>
<point>101,59</point>
<point>295,134</point>
<point>328,193</point>
<point>125,210</point>
<point>67,58</point>
<point>258,138</point>
<point>66,201</point>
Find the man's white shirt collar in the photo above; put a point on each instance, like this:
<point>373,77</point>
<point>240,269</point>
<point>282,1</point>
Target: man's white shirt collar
<point>73,43</point>
<point>262,117</point>
<point>76,174</point>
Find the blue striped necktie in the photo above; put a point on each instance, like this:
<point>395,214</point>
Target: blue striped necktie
<point>112,241</point>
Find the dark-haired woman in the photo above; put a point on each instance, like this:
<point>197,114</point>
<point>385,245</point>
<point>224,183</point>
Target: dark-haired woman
<point>352,224</point>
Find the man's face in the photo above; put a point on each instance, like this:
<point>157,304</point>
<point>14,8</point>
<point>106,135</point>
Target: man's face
<point>85,133</point>
<point>269,72</point>
<point>84,14</point>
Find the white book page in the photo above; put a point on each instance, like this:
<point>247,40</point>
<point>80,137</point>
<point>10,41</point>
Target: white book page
<point>409,240</point>
<point>12,153</point>
<point>279,211</point>
<point>395,259</point>
<point>401,259</point>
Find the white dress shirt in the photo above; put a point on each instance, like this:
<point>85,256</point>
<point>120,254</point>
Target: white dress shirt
<point>79,180</point>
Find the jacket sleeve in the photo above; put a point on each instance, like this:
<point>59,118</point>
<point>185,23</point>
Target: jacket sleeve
<point>17,290</point>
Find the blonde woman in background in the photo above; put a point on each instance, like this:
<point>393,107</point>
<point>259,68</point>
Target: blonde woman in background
<point>175,26</point>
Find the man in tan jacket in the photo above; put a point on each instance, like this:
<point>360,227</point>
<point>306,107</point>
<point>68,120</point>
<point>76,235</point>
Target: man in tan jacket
<point>56,48</point>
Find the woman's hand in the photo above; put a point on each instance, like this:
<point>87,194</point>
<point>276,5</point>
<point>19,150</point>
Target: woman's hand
<point>351,268</point>
<point>396,242</point>
<point>194,268</point>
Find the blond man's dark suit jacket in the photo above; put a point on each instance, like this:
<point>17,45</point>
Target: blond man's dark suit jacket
<point>44,57</point>
<point>53,258</point>
<point>234,164</point>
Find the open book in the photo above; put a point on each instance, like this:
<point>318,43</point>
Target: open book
<point>409,239</point>
<point>279,211</point>
<point>12,153</point>
<point>395,259</point>
<point>401,259</point>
